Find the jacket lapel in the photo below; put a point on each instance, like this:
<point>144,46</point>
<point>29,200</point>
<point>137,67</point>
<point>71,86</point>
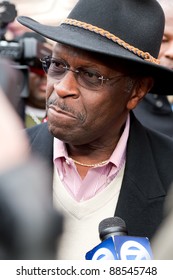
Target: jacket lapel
<point>141,186</point>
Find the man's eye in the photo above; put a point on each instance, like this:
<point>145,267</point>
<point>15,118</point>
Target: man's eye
<point>57,64</point>
<point>165,39</point>
<point>89,74</point>
<point>56,68</point>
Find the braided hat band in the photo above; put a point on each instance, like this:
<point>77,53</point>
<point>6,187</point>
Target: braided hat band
<point>145,55</point>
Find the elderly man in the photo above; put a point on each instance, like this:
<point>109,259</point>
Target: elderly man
<point>104,162</point>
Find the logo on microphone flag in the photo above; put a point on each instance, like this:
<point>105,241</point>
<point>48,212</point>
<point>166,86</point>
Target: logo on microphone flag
<point>133,248</point>
<point>104,251</point>
<point>121,248</point>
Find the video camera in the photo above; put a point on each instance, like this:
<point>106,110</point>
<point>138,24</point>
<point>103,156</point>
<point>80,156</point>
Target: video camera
<point>23,51</point>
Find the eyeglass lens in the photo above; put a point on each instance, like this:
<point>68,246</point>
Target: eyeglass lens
<point>86,77</point>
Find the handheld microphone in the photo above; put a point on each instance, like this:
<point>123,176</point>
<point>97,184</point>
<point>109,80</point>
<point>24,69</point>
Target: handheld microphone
<point>117,245</point>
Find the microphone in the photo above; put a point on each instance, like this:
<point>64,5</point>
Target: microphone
<point>117,245</point>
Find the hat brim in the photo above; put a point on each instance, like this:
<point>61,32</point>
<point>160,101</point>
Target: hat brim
<point>89,41</point>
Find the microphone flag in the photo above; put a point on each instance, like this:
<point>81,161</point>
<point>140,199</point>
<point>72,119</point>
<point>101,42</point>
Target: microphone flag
<point>121,248</point>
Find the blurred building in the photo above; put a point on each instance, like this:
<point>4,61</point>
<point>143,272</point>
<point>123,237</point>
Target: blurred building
<point>44,11</point>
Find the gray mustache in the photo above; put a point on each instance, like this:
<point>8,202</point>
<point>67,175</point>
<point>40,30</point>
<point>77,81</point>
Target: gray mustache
<point>65,108</point>
<point>62,106</point>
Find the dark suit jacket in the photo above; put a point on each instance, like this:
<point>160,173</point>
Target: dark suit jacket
<point>148,175</point>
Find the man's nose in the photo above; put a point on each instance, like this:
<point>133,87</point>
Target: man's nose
<point>67,85</point>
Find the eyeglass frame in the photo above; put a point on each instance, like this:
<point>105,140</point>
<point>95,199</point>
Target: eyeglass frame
<point>78,71</point>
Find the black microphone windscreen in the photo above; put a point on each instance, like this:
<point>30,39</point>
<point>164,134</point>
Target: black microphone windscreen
<point>112,226</point>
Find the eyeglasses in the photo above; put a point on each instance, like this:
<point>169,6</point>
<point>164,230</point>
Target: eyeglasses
<point>86,77</point>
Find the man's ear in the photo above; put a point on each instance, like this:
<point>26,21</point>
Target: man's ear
<point>141,88</point>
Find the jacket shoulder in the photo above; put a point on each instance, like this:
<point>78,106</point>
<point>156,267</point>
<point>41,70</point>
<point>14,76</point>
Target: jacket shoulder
<point>38,131</point>
<point>41,140</point>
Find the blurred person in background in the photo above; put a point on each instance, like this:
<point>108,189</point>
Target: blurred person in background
<point>35,103</point>
<point>156,111</point>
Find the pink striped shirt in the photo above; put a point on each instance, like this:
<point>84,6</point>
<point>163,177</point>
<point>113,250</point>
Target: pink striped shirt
<point>97,178</point>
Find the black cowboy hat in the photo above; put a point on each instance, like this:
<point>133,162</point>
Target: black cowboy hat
<point>130,31</point>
